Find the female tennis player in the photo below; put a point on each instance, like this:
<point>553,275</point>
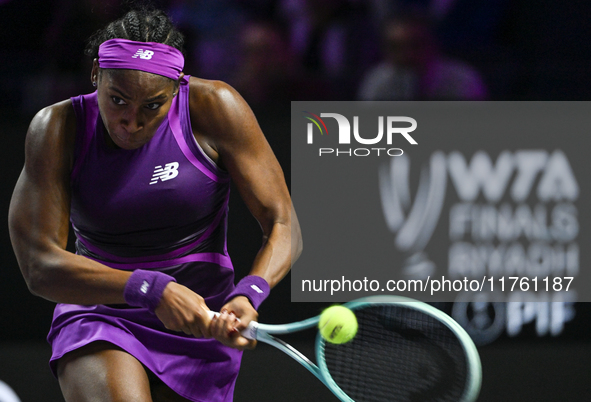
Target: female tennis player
<point>142,168</point>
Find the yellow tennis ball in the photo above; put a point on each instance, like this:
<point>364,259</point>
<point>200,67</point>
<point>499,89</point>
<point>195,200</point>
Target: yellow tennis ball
<point>337,324</point>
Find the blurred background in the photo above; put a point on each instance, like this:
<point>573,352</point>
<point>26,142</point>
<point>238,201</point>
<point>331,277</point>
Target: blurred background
<point>277,51</point>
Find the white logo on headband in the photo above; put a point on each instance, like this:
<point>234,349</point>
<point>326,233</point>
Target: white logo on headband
<point>143,54</point>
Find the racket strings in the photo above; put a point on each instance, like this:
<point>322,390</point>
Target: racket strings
<point>399,354</point>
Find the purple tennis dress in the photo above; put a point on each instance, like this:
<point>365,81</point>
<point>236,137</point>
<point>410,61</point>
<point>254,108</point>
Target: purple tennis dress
<point>160,207</point>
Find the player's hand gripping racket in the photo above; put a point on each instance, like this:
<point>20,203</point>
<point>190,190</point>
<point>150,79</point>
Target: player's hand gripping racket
<point>404,350</point>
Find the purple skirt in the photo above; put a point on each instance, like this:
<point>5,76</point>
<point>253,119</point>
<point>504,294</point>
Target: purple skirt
<point>201,370</point>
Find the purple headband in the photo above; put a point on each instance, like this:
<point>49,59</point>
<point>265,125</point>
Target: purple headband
<point>151,57</point>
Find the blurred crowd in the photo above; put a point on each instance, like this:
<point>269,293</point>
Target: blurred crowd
<point>282,50</point>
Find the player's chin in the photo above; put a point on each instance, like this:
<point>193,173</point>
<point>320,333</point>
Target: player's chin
<point>128,142</point>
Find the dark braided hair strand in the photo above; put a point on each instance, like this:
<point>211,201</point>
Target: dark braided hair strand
<point>141,25</point>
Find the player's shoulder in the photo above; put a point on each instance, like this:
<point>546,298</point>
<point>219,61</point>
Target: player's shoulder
<point>53,124</point>
<point>60,113</point>
<point>212,94</point>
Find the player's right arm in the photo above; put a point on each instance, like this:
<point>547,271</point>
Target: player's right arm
<point>39,218</point>
<point>39,224</point>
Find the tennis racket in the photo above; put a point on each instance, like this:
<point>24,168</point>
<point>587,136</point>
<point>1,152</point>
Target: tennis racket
<point>404,350</point>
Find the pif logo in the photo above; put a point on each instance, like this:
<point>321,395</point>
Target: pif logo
<point>388,127</point>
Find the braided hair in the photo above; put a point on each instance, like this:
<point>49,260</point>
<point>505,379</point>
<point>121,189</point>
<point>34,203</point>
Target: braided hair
<point>141,25</point>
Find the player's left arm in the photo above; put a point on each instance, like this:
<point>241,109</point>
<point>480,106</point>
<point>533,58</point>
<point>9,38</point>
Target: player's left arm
<point>239,146</point>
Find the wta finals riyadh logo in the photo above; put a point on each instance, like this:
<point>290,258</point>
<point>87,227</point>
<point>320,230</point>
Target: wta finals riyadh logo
<point>513,217</point>
<point>387,128</point>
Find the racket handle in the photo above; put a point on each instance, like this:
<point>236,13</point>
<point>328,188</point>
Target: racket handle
<point>250,332</point>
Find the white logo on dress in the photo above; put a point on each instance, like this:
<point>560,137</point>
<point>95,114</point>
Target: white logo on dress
<point>143,54</point>
<point>168,172</point>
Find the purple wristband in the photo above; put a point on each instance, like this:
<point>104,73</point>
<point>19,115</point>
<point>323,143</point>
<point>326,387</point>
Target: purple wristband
<point>254,288</point>
<point>144,288</point>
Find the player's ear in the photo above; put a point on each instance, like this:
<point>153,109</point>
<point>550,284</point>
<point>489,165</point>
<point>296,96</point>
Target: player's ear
<point>177,84</point>
<point>94,72</point>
